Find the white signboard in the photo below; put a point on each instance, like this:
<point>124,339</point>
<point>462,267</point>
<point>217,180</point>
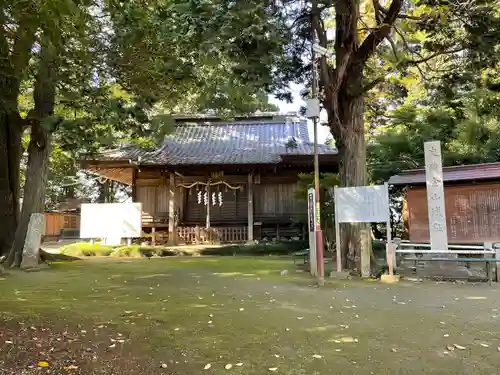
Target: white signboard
<point>435,196</point>
<point>311,213</point>
<point>110,220</point>
<point>362,204</point>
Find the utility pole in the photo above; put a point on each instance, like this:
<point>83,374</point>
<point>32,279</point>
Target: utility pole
<point>317,227</point>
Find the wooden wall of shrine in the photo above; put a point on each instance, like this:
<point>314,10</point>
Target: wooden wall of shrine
<point>274,198</point>
<point>472,213</point>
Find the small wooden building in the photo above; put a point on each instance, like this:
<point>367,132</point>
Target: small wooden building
<point>57,222</point>
<point>472,201</point>
<point>219,181</point>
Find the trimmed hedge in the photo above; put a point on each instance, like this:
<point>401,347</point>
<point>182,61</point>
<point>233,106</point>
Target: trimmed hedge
<point>139,251</point>
<point>87,250</point>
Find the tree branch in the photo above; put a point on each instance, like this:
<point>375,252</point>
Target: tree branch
<point>320,31</point>
<point>23,41</point>
<point>4,46</point>
<point>378,11</point>
<point>430,57</point>
<point>375,37</point>
<point>394,48</point>
<point>372,84</point>
<point>401,16</point>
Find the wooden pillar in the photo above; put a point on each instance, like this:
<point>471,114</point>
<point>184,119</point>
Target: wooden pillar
<point>209,201</point>
<point>250,206</point>
<point>153,236</point>
<point>172,230</point>
<point>134,185</point>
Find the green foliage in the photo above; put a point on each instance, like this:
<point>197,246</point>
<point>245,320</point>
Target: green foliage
<point>261,248</point>
<point>326,183</point>
<point>134,251</point>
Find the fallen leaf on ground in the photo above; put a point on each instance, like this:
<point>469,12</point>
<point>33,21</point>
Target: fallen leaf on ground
<point>164,365</point>
<point>450,348</point>
<point>241,309</point>
<point>300,317</point>
<point>459,347</point>
<point>484,345</point>
<point>317,356</point>
<point>43,364</point>
<point>71,367</point>
<point>207,366</point>
<point>348,339</point>
<point>239,364</point>
<point>8,342</point>
<point>228,366</point>
<point>273,368</point>
<point>112,346</point>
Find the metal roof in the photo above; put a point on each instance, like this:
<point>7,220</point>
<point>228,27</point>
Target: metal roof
<point>488,171</point>
<point>239,142</point>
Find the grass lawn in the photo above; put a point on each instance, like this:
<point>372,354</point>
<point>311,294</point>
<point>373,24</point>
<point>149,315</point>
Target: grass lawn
<point>237,315</point>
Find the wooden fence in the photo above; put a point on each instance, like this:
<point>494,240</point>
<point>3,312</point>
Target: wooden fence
<point>200,235</point>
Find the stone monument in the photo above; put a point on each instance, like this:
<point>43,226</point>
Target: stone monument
<point>31,250</point>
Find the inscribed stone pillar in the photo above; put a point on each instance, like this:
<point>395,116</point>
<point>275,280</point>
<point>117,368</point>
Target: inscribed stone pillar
<point>31,250</point>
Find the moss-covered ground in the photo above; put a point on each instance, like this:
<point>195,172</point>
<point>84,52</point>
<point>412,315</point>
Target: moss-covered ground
<point>238,315</point>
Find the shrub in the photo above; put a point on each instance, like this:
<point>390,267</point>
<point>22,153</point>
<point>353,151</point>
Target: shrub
<point>134,251</point>
<point>262,248</point>
<point>87,250</point>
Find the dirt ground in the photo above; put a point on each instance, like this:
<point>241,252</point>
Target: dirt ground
<point>239,316</point>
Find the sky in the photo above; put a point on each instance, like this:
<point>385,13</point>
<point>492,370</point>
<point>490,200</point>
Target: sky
<point>295,107</point>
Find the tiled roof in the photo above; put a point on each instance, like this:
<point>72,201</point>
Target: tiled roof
<point>487,171</point>
<point>226,143</point>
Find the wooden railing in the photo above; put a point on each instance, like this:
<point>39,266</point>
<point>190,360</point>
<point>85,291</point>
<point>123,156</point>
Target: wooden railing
<point>212,235</point>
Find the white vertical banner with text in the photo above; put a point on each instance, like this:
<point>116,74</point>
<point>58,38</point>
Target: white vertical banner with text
<point>311,215</point>
<point>435,196</point>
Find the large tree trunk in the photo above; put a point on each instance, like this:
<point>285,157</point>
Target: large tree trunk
<point>34,190</point>
<point>355,237</point>
<point>10,158</point>
<point>39,148</point>
<point>14,60</point>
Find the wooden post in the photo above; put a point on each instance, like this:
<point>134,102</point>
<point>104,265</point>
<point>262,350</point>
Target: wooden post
<point>209,201</point>
<point>172,231</point>
<point>197,237</point>
<point>391,256</point>
<point>250,207</point>
<point>134,185</point>
<point>153,236</point>
<point>497,264</point>
<point>337,233</point>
